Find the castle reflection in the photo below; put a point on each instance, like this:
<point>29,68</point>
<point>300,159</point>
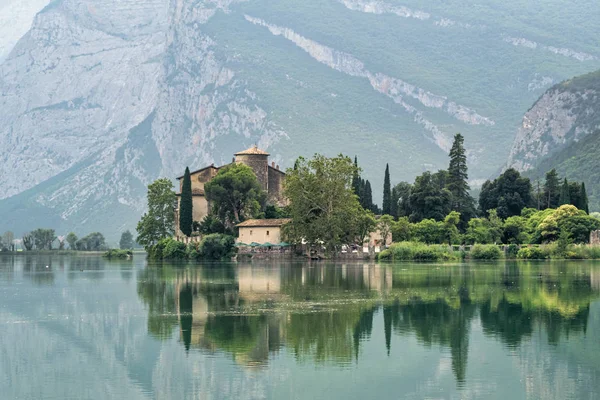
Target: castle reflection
<point>326,312</point>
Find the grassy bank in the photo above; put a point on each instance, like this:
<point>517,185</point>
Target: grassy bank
<point>415,251</point>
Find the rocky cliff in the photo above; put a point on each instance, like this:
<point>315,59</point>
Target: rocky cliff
<point>566,113</point>
<point>99,98</point>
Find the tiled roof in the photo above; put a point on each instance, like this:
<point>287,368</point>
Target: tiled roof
<point>264,223</point>
<point>199,170</point>
<point>254,150</point>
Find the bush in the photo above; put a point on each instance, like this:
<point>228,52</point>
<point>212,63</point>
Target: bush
<point>413,251</point>
<point>217,247</point>
<point>485,252</point>
<point>533,253</point>
<point>512,251</point>
<point>174,250</point>
<point>117,253</point>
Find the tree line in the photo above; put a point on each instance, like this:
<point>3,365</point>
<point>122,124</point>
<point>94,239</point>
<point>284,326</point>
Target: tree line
<point>47,239</point>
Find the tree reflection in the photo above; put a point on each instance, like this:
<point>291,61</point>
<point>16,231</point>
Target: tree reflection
<point>325,313</point>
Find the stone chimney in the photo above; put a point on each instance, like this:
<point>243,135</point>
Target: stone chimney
<point>273,164</point>
<point>277,167</point>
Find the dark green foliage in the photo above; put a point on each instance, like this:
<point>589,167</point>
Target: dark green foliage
<point>418,252</point>
<point>583,199</point>
<point>275,212</point>
<point>92,242</point>
<point>211,224</point>
<point>174,250</point>
<point>185,205</point>
<point>126,241</point>
<point>368,197</point>
<point>485,252</point>
<point>120,254</point>
<point>565,193</point>
<point>43,238</point>
<point>217,247</point>
<point>457,182</point>
<point>235,194</point>
<point>401,200</point>
<point>387,192</point>
<point>552,190</point>
<point>429,199</point>
<point>509,194</point>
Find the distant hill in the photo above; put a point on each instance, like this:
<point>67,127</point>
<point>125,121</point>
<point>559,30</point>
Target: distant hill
<point>562,131</point>
<point>99,98</point>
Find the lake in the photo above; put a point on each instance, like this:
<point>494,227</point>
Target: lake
<point>81,327</point>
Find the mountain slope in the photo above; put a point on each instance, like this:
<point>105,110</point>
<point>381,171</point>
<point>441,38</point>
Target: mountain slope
<point>98,99</point>
<point>579,161</point>
<point>567,112</point>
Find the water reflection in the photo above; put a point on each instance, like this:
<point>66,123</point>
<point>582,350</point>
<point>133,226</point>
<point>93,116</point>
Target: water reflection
<point>324,313</point>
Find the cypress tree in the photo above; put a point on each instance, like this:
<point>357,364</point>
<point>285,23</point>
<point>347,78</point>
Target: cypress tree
<point>584,199</point>
<point>368,196</point>
<point>565,195</point>
<point>356,178</point>
<point>387,192</point>
<point>457,181</point>
<point>185,205</point>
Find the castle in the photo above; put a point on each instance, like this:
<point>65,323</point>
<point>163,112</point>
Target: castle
<point>269,176</point>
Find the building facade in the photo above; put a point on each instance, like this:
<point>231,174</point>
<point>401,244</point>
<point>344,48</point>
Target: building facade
<point>270,177</point>
<point>261,231</point>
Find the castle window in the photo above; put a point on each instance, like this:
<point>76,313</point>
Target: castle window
<point>250,232</point>
<point>267,233</point>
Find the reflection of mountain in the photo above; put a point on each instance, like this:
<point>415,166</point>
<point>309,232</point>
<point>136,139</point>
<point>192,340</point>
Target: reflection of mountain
<point>326,312</point>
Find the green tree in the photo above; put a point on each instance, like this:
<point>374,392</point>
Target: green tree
<point>186,219</point>
<point>365,224</point>
<point>387,192</point>
<point>509,194</point>
<point>565,193</point>
<point>8,239</point>
<point>43,238</point>
<point>552,190</point>
<point>515,230</point>
<point>126,241</point>
<point>429,231</point>
<point>28,241</point>
<point>72,240</point>
<point>451,235</point>
<point>356,179</point>
<point>457,182</point>
<point>429,199</point>
<point>323,206</point>
<point>93,242</point>
<point>401,200</point>
<point>385,225</point>
<point>402,230</point>
<point>211,224</point>
<point>158,222</point>
<point>584,204</point>
<point>368,197</point>
<point>235,194</point>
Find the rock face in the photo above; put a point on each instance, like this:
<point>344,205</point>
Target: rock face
<point>564,114</point>
<point>99,98</point>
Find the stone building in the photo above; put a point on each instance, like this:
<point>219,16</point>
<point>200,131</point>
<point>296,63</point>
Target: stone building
<point>261,231</point>
<point>269,176</point>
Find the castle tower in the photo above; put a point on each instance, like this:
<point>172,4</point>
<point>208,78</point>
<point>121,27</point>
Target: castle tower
<point>258,160</point>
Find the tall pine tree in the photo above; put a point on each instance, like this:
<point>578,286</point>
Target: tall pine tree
<point>387,192</point>
<point>457,181</point>
<point>551,190</point>
<point>565,195</point>
<point>186,220</point>
<point>356,178</point>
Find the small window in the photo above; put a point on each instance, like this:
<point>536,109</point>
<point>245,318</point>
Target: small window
<point>251,232</point>
<point>267,233</point>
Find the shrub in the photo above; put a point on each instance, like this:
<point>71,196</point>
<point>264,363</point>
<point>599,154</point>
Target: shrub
<point>533,253</point>
<point>512,251</point>
<point>117,253</point>
<point>414,251</point>
<point>174,250</point>
<point>217,247</point>
<point>485,252</point>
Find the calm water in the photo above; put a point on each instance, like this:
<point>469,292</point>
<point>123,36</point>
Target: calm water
<point>86,328</point>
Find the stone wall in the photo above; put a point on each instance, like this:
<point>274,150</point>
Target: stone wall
<point>276,178</point>
<point>259,164</point>
<point>595,238</point>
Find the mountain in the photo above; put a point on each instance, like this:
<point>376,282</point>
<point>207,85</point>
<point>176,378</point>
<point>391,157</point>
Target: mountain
<point>99,98</point>
<point>564,114</point>
<point>562,131</point>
